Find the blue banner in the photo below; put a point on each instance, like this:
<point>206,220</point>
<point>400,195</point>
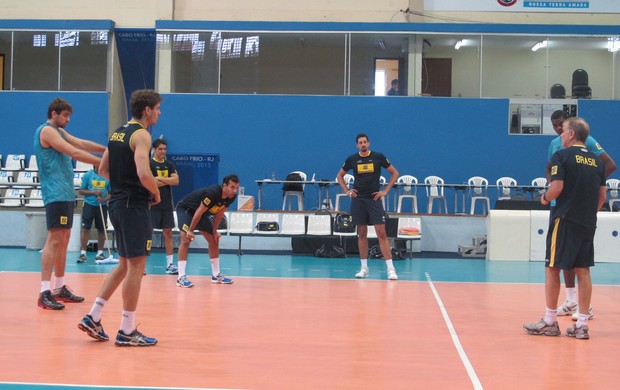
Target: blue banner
<point>195,171</point>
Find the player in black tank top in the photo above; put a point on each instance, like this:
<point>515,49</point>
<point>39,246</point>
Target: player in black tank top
<point>124,180</point>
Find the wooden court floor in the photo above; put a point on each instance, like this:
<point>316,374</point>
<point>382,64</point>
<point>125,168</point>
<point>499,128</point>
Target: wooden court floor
<point>267,332</point>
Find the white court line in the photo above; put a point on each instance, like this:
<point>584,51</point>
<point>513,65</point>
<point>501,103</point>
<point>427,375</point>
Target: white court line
<point>457,343</point>
<point>54,385</point>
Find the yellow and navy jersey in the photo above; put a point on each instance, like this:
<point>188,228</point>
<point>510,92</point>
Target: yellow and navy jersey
<point>163,168</point>
<point>583,174</point>
<point>367,172</point>
<point>210,197</point>
<point>124,178</point>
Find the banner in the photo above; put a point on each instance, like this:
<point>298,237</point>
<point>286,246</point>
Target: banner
<point>590,6</point>
<point>196,170</point>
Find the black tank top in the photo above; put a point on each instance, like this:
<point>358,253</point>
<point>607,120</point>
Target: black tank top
<point>124,180</point>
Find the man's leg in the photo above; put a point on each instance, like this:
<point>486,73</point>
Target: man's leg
<point>362,244</point>
<point>548,326</point>
<point>214,256</point>
<point>169,244</point>
<point>56,238</point>
<point>182,280</point>
<point>83,245</point>
<point>569,306</point>
<point>384,243</point>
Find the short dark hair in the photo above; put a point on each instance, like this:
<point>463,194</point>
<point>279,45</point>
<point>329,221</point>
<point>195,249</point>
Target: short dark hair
<point>58,105</point>
<point>361,135</point>
<point>232,177</point>
<point>159,141</point>
<point>580,127</point>
<point>394,82</point>
<point>558,114</point>
<point>142,99</point>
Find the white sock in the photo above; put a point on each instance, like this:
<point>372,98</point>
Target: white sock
<point>182,265</point>
<point>551,316</point>
<point>389,263</point>
<point>97,309</point>
<point>100,252</point>
<point>128,323</point>
<point>215,266</point>
<point>82,252</point>
<point>364,262</point>
<point>571,294</point>
<point>59,282</point>
<point>45,285</point>
<point>582,320</point>
<point>169,259</point>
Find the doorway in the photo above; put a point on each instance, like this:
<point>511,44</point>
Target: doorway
<point>437,76</point>
<point>386,70</point>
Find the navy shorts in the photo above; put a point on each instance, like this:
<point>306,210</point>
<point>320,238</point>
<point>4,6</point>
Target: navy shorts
<point>162,218</point>
<point>92,213</point>
<point>59,215</point>
<point>569,245</point>
<point>133,229</point>
<point>367,211</point>
<point>205,224</point>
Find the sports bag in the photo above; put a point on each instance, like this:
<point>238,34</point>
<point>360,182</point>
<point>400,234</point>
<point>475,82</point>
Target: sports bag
<point>267,226</point>
<point>333,251</point>
<point>293,176</point>
<point>343,223</point>
<point>375,253</point>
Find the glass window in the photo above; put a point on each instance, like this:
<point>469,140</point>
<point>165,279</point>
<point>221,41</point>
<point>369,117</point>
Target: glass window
<point>5,59</point>
<point>35,61</point>
<point>83,60</point>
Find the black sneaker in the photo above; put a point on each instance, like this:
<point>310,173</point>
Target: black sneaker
<point>47,301</point>
<point>135,339</point>
<point>65,294</point>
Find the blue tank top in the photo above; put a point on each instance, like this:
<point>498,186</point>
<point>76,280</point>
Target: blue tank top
<point>55,171</point>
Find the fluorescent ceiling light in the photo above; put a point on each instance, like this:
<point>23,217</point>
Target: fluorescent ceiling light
<point>458,44</point>
<point>613,44</point>
<point>539,45</point>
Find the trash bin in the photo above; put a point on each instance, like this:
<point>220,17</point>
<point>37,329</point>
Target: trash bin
<point>36,230</point>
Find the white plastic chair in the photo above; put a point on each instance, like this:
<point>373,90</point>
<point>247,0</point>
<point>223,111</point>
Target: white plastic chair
<point>6,179</point>
<point>240,224</point>
<point>478,190</point>
<point>407,228</point>
<point>540,186</point>
<point>407,184</point>
<point>26,179</point>
<point>36,199</point>
<point>434,190</point>
<point>319,225</point>
<point>15,162</point>
<point>505,187</point>
<point>14,197</point>
<point>77,179</point>
<point>293,224</point>
<point>32,164</point>
<point>613,189</point>
<point>289,195</point>
<point>266,217</point>
<point>349,180</point>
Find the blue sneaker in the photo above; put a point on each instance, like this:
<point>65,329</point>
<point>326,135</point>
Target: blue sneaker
<point>93,328</point>
<point>221,279</point>
<point>172,269</point>
<point>135,339</point>
<point>184,281</point>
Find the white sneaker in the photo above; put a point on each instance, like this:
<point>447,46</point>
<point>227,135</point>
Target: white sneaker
<point>567,308</point>
<point>392,274</point>
<point>576,315</point>
<point>363,273</point>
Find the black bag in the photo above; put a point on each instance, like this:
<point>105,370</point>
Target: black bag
<point>333,251</point>
<point>343,223</point>
<point>293,176</point>
<point>375,253</point>
<point>267,226</point>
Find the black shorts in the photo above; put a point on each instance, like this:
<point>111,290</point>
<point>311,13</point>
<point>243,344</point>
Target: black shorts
<point>162,218</point>
<point>133,229</point>
<point>569,245</point>
<point>59,215</point>
<point>90,213</point>
<point>367,211</point>
<point>184,217</point>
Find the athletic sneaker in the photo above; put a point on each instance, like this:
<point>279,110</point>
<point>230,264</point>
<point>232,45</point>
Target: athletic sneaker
<point>172,269</point>
<point>363,273</point>
<point>135,339</point>
<point>580,333</point>
<point>65,294</point>
<point>392,274</point>
<point>221,279</point>
<point>93,328</point>
<point>183,281</point>
<point>100,256</point>
<point>47,301</point>
<point>568,307</point>
<point>541,328</point>
<point>82,258</point>
<point>576,315</point>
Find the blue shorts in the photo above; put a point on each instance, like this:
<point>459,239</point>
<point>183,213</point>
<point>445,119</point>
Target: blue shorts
<point>132,225</point>
<point>59,215</point>
<point>367,211</point>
